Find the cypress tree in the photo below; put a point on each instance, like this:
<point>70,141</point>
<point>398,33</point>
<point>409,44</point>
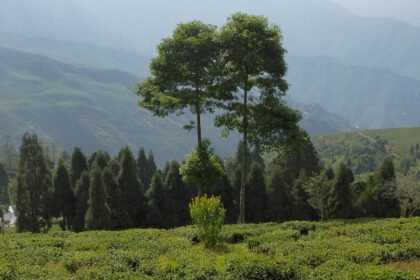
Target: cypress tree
<point>156,201</point>
<point>255,195</point>
<point>98,215</point>
<point>302,210</point>
<point>114,166</point>
<point>81,202</point>
<point>115,203</point>
<point>279,198</point>
<point>143,167</point>
<point>78,166</point>
<point>63,196</point>
<point>4,182</point>
<point>340,199</point>
<point>225,190</point>
<point>384,194</point>
<point>32,189</point>
<point>131,189</point>
<point>176,207</point>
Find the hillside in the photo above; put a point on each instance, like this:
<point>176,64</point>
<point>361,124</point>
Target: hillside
<point>364,151</point>
<point>95,109</point>
<point>347,250</point>
<point>349,65</point>
<point>367,97</point>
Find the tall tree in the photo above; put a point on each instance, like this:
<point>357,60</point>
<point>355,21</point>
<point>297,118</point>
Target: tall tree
<point>142,165</point>
<point>4,182</point>
<point>255,195</point>
<point>177,198</point>
<point>340,199</point>
<point>81,203</point>
<point>32,189</point>
<point>252,58</point>
<point>78,166</point>
<point>10,156</point>
<point>98,214</point>
<point>385,191</point>
<point>319,189</point>
<point>184,74</point>
<point>114,199</point>
<point>147,168</point>
<point>63,195</point>
<point>156,200</point>
<point>131,189</point>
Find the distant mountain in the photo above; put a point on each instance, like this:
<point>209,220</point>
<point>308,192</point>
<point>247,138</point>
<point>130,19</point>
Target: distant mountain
<point>310,27</point>
<point>318,121</point>
<point>367,97</point>
<point>95,109</point>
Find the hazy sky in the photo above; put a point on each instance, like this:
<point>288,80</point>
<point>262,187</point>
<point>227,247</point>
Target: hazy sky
<point>405,10</point>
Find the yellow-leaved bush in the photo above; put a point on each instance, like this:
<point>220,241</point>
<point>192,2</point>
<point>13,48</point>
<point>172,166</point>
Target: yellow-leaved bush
<point>208,215</point>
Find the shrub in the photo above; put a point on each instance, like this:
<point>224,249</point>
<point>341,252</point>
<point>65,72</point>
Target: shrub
<point>208,215</point>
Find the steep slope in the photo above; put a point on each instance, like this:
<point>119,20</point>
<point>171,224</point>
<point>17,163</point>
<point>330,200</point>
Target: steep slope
<point>367,97</point>
<point>95,109</point>
<point>365,150</point>
<point>310,28</point>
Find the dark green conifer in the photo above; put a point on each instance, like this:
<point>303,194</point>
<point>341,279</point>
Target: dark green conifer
<point>78,166</point>
<point>131,189</point>
<point>4,182</point>
<point>81,202</point>
<point>115,203</point>
<point>98,215</point>
<point>156,202</point>
<point>63,196</point>
<point>340,199</point>
<point>32,188</point>
<point>255,195</point>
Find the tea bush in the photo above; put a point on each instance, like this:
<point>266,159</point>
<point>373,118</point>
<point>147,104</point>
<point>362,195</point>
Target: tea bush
<point>344,250</point>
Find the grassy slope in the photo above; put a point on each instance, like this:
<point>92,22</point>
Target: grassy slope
<point>375,144</point>
<point>364,249</point>
<point>95,109</point>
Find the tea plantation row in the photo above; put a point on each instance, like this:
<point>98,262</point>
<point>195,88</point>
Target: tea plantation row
<point>361,249</point>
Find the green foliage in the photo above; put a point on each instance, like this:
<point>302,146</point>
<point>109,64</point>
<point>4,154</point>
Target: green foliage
<point>78,166</point>
<point>98,215</point>
<point>340,198</point>
<point>81,201</point>
<point>177,198</point>
<point>348,250</point>
<point>208,215</point>
<point>131,190</point>
<point>156,200</point>
<point>63,196</point>
<point>114,199</point>
<point>33,187</point>
<point>147,168</point>
<point>255,195</point>
<point>4,182</point>
<point>202,169</point>
<point>319,189</point>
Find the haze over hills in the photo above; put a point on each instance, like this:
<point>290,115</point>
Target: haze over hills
<point>345,71</point>
<point>95,109</point>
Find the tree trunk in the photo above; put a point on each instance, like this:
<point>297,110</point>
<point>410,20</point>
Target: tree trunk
<point>241,219</point>
<point>198,124</point>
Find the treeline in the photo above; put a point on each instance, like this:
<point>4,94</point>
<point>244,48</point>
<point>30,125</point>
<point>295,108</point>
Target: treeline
<point>121,192</point>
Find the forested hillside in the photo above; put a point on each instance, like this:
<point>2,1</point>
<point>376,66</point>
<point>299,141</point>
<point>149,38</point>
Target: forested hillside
<point>364,151</point>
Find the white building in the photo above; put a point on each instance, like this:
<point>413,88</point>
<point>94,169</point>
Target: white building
<point>9,217</point>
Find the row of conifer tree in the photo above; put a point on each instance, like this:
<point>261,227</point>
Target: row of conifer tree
<point>100,192</point>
